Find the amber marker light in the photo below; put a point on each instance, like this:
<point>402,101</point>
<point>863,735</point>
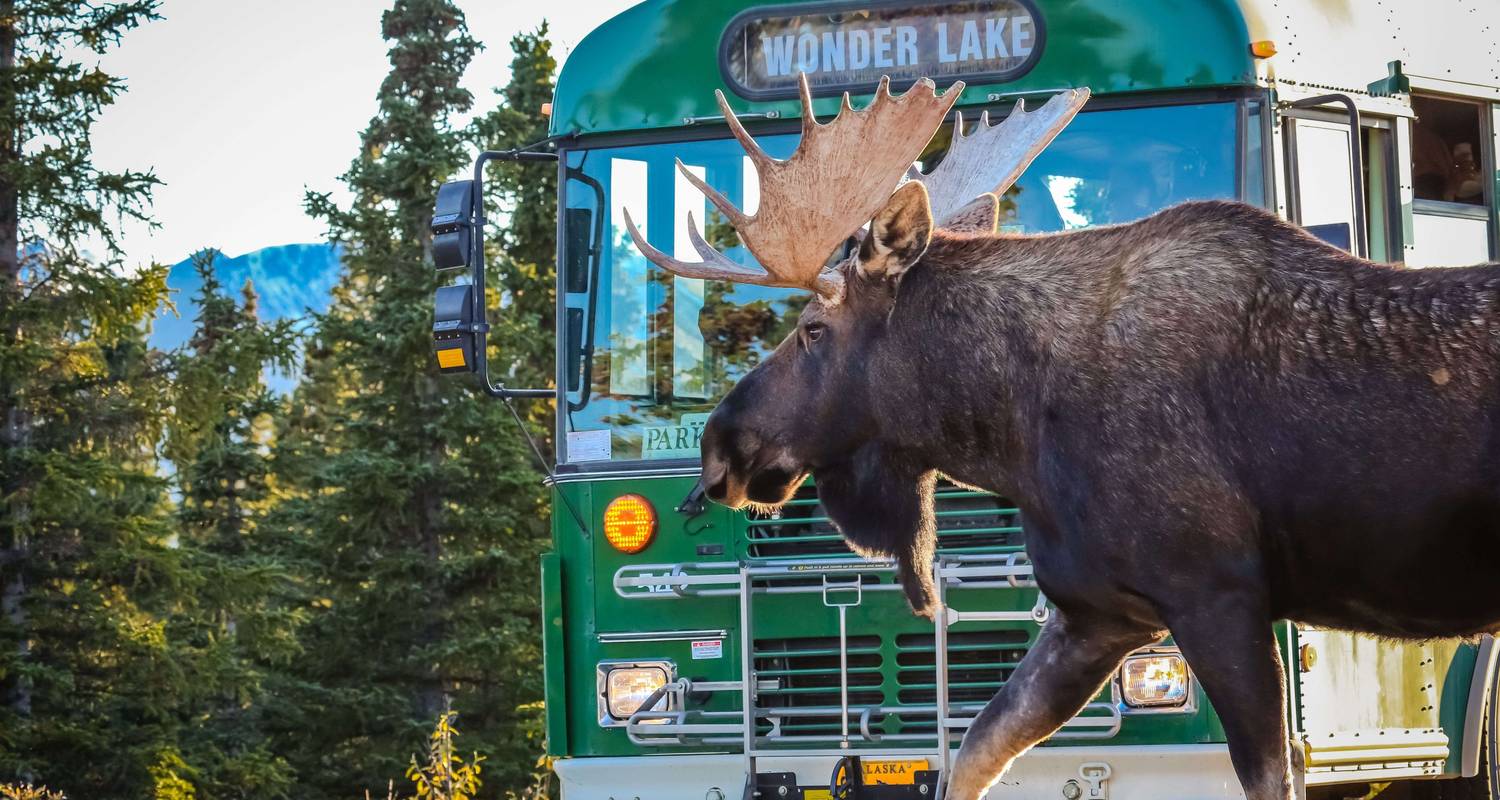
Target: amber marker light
<point>1265,48</point>
<point>629,523</point>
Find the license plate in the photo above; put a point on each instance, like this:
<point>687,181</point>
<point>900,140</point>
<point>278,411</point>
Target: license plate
<point>892,773</point>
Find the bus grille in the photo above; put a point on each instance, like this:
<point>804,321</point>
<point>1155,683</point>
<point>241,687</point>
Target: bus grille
<point>967,521</point>
<point>897,696</point>
<point>979,663</point>
<point>803,673</point>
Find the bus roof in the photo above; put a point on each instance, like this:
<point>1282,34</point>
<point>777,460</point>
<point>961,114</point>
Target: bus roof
<point>657,64</point>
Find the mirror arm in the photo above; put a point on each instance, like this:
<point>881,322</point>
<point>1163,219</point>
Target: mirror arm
<point>481,325</point>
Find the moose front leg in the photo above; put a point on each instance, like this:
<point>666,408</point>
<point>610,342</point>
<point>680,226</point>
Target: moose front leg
<point>1231,648</point>
<point>1072,658</point>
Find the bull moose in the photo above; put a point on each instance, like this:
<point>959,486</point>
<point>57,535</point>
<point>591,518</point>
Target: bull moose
<point>1210,419</point>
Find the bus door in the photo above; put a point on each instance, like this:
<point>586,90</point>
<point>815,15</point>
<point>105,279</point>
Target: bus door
<point>1425,193</point>
<point>1326,173</point>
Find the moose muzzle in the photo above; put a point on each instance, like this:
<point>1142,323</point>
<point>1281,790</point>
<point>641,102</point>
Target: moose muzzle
<point>740,469</point>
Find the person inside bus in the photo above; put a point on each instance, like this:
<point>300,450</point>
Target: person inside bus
<point>1445,165</point>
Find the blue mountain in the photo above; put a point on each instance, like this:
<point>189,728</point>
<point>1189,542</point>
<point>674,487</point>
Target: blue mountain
<point>290,281</point>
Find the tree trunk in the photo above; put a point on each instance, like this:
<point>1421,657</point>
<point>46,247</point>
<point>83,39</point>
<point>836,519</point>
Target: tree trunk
<point>14,426</point>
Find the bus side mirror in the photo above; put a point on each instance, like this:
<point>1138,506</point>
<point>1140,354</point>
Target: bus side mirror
<point>460,328</point>
<point>453,328</point>
<point>453,335</point>
<point>452,225</point>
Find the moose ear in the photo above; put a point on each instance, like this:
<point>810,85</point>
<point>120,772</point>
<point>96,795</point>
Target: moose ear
<point>899,233</point>
<point>980,215</point>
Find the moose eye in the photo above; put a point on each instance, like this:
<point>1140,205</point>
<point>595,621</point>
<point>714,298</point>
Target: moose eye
<point>814,331</point>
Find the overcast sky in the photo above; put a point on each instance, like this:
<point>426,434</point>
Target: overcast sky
<point>238,106</point>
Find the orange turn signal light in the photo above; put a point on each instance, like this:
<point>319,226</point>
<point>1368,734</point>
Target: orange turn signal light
<point>1265,48</point>
<point>629,523</point>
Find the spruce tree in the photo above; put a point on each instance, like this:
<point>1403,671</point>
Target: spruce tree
<point>87,679</point>
<point>521,257</point>
<point>233,627</point>
<point>410,493</point>
<point>523,250</point>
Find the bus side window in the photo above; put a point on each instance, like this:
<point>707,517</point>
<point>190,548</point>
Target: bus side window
<point>1446,150</point>
<point>1322,186</point>
<point>1450,160</point>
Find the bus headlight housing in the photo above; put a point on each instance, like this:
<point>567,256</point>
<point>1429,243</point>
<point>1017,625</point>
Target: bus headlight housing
<point>1155,680</point>
<point>624,686</point>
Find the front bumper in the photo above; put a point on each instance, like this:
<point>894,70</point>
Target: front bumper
<point>1139,772</point>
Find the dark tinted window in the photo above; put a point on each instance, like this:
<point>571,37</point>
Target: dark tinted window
<point>1445,151</point>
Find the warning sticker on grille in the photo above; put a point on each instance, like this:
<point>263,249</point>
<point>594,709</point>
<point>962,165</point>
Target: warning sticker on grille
<point>711,648</point>
<point>840,566</point>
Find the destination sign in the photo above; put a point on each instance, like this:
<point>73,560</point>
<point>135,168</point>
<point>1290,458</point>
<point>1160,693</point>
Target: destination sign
<point>847,48</point>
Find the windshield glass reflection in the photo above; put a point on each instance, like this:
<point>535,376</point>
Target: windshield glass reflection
<point>665,349</point>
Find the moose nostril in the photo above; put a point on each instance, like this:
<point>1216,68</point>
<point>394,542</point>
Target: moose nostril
<point>713,479</point>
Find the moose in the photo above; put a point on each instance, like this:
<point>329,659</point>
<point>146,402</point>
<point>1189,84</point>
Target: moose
<point>1209,419</point>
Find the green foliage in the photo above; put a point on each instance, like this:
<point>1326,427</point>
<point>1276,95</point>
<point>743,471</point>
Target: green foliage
<point>48,103</point>
<point>207,591</point>
<point>167,782</point>
<point>411,494</point>
<point>234,631</point>
<point>87,682</point>
<point>133,637</point>
<point>525,194</point>
<point>92,683</point>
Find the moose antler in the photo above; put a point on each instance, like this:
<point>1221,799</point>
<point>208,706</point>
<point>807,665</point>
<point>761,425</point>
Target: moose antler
<point>992,157</point>
<point>840,175</point>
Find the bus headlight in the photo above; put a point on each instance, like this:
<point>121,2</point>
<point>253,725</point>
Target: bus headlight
<point>625,686</point>
<point>1155,680</point>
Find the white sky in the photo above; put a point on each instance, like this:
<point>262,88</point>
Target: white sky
<point>239,106</point>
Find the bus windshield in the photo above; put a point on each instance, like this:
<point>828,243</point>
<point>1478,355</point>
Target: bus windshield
<point>648,354</point>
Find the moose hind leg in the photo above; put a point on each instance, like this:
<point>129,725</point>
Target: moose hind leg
<point>1231,648</point>
<point>1072,658</point>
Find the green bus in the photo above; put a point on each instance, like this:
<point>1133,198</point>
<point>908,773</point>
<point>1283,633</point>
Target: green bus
<point>699,653</point>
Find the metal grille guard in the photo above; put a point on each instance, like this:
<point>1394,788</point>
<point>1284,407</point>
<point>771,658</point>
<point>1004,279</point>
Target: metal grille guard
<point>841,588</point>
